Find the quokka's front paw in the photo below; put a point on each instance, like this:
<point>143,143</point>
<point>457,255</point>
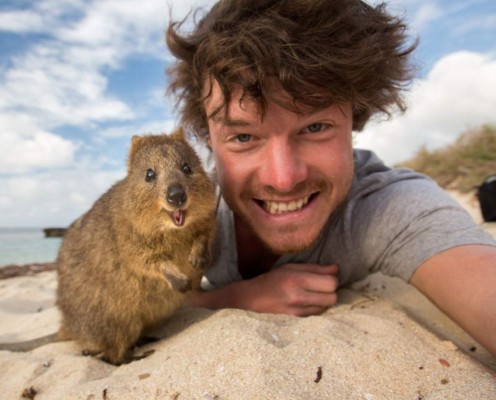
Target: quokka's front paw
<point>199,257</point>
<point>200,260</point>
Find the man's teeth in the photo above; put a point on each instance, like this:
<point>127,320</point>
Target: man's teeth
<point>275,207</point>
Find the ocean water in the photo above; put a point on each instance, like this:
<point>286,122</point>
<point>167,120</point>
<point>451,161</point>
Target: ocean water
<point>26,245</point>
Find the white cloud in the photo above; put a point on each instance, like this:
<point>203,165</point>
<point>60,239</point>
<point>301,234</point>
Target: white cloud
<point>150,127</point>
<point>476,24</point>
<point>37,150</point>
<point>21,21</point>
<point>63,79</point>
<point>125,25</point>
<point>427,13</point>
<point>24,147</point>
<point>41,18</point>
<point>459,93</point>
<point>54,199</point>
<point>182,8</point>
<point>424,14</point>
<point>57,89</point>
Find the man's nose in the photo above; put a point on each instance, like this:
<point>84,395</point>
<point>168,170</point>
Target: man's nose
<point>282,166</point>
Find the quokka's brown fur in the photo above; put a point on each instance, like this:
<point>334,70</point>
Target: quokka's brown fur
<point>129,262</point>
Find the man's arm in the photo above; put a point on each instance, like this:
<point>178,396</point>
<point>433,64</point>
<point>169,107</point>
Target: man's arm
<point>295,289</point>
<point>462,283</point>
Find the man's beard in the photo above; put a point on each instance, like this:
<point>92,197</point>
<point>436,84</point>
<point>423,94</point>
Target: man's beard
<point>292,243</point>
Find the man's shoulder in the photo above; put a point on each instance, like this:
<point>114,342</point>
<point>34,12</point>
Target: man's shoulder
<point>372,175</point>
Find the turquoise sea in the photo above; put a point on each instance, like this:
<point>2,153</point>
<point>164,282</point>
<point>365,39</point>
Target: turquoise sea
<point>26,245</point>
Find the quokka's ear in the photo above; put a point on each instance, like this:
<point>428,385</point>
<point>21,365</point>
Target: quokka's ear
<point>136,142</point>
<point>178,134</point>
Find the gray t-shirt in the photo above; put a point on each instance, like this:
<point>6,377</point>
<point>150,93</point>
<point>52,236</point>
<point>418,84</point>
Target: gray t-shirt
<point>392,221</point>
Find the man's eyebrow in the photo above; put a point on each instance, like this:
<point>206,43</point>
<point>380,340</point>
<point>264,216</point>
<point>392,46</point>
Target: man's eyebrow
<point>229,121</point>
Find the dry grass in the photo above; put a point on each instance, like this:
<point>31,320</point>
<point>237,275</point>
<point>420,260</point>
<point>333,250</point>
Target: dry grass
<point>463,165</point>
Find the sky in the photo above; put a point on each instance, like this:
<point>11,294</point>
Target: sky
<point>78,78</point>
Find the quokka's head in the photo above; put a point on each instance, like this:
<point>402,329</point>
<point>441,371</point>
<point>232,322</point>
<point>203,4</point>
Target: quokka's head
<point>167,185</point>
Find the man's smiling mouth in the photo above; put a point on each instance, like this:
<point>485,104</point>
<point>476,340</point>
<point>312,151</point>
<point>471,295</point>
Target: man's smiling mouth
<point>282,207</point>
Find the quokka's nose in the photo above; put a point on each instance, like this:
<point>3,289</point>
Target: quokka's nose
<point>176,195</point>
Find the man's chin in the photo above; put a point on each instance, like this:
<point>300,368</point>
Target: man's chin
<point>284,243</point>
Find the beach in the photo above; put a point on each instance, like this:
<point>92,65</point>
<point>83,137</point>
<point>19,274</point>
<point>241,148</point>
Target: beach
<point>384,340</point>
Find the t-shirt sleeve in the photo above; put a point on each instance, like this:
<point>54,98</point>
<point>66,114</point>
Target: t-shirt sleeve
<point>395,229</point>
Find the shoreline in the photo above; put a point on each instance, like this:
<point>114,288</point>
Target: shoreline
<point>15,270</point>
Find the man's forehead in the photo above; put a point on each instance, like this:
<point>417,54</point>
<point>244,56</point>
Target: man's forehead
<point>243,109</point>
<point>235,112</point>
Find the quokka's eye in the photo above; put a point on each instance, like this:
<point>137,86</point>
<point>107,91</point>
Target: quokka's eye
<point>186,169</point>
<point>150,175</point>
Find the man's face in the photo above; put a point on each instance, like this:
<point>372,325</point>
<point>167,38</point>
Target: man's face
<point>284,174</point>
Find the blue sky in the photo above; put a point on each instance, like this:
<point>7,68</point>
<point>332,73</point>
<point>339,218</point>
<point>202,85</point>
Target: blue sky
<point>78,78</point>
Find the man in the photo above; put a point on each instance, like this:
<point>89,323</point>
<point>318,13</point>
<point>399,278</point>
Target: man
<point>276,88</point>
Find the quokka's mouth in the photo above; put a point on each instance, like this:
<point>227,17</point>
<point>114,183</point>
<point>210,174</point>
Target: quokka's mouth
<point>178,217</point>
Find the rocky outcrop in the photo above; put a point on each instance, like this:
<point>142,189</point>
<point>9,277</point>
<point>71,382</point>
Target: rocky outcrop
<point>54,232</point>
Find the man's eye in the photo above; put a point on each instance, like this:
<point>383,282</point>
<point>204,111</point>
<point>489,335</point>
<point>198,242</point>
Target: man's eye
<point>317,127</point>
<point>243,137</point>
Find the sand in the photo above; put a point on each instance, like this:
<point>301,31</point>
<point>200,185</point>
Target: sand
<point>383,341</point>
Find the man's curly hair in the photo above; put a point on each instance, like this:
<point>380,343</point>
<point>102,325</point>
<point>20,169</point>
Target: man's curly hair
<point>320,52</point>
